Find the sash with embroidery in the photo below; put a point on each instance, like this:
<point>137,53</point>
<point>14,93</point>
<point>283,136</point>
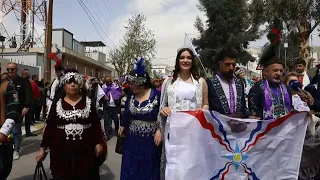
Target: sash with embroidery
<point>223,98</point>
<point>274,108</point>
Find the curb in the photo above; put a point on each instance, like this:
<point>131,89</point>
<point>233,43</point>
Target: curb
<point>34,132</point>
<point>37,131</point>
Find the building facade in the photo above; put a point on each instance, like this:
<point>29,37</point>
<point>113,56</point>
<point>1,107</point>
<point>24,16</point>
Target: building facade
<point>74,55</point>
<point>161,70</point>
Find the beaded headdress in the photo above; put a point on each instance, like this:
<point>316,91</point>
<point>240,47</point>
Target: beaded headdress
<point>71,76</point>
<point>140,73</point>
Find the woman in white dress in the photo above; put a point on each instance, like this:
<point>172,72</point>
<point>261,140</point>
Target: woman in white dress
<point>185,91</point>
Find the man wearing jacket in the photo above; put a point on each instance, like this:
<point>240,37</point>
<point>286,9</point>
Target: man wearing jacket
<point>9,114</point>
<point>25,98</point>
<point>110,110</point>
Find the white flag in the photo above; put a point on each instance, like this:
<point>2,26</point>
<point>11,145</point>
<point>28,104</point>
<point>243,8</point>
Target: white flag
<point>100,94</point>
<point>210,146</point>
<point>188,44</point>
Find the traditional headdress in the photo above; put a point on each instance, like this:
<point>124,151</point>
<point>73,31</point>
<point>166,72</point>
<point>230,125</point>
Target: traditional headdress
<point>71,77</point>
<point>140,73</point>
<point>57,57</point>
<point>269,54</point>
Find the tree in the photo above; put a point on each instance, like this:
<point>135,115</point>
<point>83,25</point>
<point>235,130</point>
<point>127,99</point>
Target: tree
<point>138,42</point>
<point>292,51</point>
<point>229,25</point>
<point>299,17</point>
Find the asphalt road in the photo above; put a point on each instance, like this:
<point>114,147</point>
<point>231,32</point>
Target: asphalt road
<point>23,168</point>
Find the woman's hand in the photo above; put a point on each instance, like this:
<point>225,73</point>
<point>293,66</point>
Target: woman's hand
<point>254,117</point>
<point>165,111</point>
<point>99,149</point>
<point>121,131</point>
<point>205,107</point>
<point>40,155</point>
<point>158,137</point>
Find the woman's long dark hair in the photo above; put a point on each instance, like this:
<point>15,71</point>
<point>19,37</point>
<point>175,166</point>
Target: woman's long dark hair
<point>177,66</point>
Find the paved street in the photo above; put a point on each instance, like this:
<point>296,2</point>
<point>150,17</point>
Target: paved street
<point>23,169</point>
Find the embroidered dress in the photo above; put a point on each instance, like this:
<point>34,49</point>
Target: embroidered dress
<point>71,134</point>
<point>178,96</point>
<point>141,157</point>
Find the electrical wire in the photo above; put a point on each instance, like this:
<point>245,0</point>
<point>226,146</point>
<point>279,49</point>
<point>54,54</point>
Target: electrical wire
<point>108,29</point>
<point>109,9</point>
<point>92,22</point>
<point>167,7</point>
<point>98,24</point>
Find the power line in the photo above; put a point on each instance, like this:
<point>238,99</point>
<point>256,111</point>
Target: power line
<point>109,9</point>
<point>92,22</point>
<point>109,27</point>
<point>95,23</point>
<point>106,34</point>
<point>167,7</point>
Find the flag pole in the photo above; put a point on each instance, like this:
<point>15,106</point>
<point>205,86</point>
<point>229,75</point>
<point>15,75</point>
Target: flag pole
<point>202,66</point>
<point>188,43</point>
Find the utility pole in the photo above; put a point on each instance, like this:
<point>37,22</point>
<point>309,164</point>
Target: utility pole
<point>24,9</point>
<point>33,14</point>
<point>47,74</point>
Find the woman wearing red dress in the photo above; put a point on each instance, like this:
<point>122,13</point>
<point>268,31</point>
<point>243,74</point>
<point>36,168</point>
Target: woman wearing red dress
<point>73,134</point>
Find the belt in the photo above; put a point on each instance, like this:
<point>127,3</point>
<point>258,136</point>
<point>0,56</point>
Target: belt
<point>143,128</point>
<point>74,130</point>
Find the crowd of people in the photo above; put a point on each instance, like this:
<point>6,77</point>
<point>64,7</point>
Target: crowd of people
<point>139,107</point>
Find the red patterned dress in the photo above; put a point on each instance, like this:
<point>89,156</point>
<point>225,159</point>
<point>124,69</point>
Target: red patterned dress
<point>71,134</point>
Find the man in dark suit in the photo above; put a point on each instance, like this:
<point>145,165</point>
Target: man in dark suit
<point>226,92</point>
<point>29,118</point>
<point>25,98</point>
<point>314,89</point>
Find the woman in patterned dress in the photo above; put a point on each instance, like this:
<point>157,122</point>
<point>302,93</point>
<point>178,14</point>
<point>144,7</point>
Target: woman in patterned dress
<point>139,125</point>
<point>73,134</point>
<point>185,91</point>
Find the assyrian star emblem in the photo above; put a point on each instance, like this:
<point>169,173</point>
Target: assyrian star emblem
<point>237,157</point>
<point>268,113</point>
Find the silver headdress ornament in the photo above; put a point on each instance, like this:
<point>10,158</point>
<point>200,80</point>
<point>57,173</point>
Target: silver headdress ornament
<point>71,75</point>
<point>140,73</point>
<point>183,47</point>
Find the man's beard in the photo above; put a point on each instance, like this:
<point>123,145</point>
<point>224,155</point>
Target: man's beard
<point>227,75</point>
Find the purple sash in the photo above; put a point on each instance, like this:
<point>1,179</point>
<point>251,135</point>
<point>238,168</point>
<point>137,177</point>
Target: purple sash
<point>269,111</point>
<point>232,101</point>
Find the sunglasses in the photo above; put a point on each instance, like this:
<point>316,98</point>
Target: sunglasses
<point>10,69</point>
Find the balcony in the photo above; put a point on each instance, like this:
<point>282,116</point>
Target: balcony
<point>94,50</point>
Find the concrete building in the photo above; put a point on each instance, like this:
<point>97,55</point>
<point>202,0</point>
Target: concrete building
<point>21,67</point>
<point>315,54</point>
<point>161,70</point>
<point>75,54</point>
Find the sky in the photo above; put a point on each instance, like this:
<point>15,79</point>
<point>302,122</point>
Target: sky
<point>169,19</point>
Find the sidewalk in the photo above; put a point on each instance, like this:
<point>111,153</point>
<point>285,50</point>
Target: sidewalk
<point>36,128</point>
